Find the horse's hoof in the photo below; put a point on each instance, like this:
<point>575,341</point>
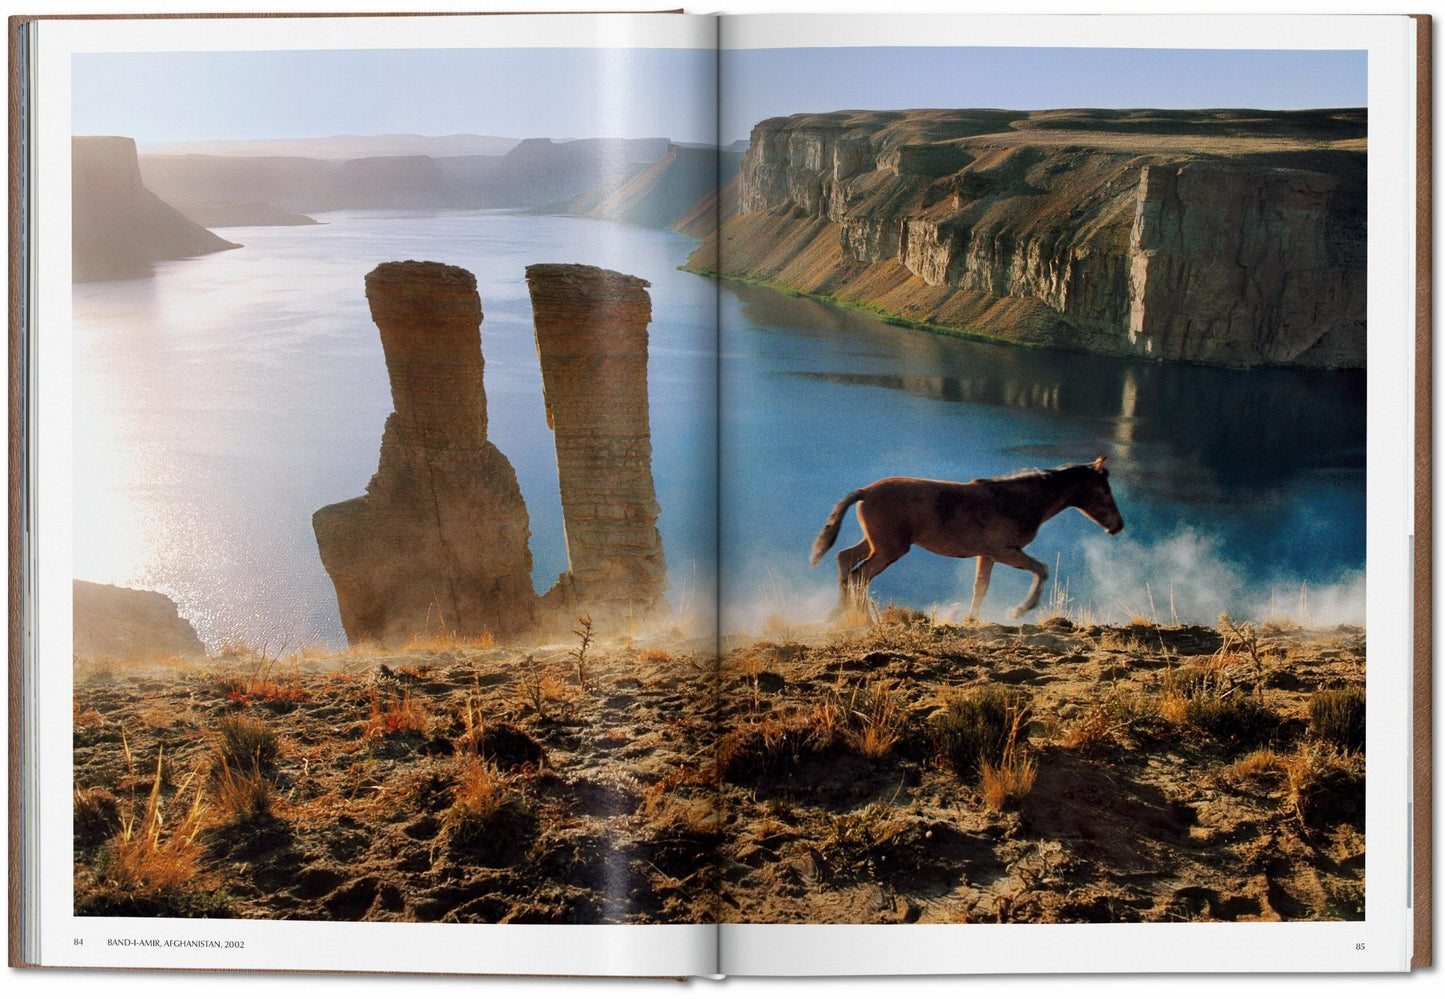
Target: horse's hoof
<point>1016,612</point>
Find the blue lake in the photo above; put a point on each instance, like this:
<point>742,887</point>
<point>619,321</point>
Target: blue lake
<point>223,400</point>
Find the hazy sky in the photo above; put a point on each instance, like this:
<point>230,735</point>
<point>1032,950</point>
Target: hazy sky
<point>765,83</point>
<point>167,97</point>
<point>522,93</point>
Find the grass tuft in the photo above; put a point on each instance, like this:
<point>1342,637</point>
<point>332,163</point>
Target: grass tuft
<point>1338,717</point>
<point>977,726</point>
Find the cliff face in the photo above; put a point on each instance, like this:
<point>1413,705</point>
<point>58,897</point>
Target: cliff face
<point>439,542</point>
<point>591,327</point>
<point>119,229</point>
<point>1222,237</point>
<point>120,623</point>
<point>680,191</point>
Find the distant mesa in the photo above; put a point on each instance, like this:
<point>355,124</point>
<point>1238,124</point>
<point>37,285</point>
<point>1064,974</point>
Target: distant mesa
<point>591,330</point>
<point>119,229</point>
<point>438,543</point>
<point>339,147</point>
<point>223,214</point>
<point>112,622</point>
<point>432,175</point>
<point>1230,237</point>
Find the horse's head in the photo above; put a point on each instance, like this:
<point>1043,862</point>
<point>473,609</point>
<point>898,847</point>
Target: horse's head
<point>1096,499</point>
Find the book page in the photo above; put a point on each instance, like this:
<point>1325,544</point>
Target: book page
<point>375,438</point>
<point>1071,353</point>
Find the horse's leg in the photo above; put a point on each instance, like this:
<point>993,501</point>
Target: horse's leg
<point>1015,557</point>
<point>849,558</point>
<point>882,557</point>
<point>980,584</point>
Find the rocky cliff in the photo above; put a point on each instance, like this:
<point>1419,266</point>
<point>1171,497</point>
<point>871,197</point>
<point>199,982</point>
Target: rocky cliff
<point>591,328</point>
<point>680,191</point>
<point>1223,237</point>
<point>119,229</point>
<point>438,544</point>
<point>119,623</point>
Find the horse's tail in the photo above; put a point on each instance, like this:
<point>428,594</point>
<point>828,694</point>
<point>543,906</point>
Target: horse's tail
<point>835,521</point>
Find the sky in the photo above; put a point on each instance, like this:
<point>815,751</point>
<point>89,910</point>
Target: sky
<point>574,93</point>
<point>766,83</point>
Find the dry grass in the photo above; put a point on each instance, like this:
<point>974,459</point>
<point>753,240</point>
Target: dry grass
<point>397,716</point>
<point>243,794</point>
<point>1010,780</point>
<point>1338,717</point>
<point>976,726</point>
<point>875,714</point>
<point>445,640</point>
<point>152,865</point>
<point>487,809</point>
<point>1313,776</point>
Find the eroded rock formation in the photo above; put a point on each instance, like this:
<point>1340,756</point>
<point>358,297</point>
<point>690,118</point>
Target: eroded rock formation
<point>591,327</point>
<point>439,542</point>
<point>1227,237</point>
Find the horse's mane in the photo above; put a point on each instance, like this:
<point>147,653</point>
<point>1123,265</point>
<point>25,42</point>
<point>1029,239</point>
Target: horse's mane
<point>1042,473</point>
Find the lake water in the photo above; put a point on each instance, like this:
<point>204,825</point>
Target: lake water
<point>219,403</point>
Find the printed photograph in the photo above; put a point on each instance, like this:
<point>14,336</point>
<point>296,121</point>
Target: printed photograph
<point>551,486</point>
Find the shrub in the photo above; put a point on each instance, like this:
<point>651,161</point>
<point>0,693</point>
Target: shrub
<point>246,746</point>
<point>1238,722</point>
<point>1338,716</point>
<point>977,726</point>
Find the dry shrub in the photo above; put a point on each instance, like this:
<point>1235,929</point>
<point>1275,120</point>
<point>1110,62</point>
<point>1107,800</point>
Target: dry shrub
<point>1338,717</point>
<point>899,615</point>
<point>772,746</point>
<point>976,726</point>
<point>654,656</point>
<point>1320,781</point>
<point>538,687</point>
<point>398,716</point>
<point>1262,766</point>
<point>1091,733</point>
<point>242,764</point>
<point>486,808</point>
<point>856,839</point>
<point>1236,722</point>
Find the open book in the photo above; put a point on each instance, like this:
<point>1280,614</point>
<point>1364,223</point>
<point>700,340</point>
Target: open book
<point>663,494</point>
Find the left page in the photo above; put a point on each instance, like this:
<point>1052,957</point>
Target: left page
<point>374,493</point>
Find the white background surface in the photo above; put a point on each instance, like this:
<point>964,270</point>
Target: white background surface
<point>119,985</point>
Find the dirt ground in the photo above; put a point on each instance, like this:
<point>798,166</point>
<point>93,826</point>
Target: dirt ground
<point>1148,772</point>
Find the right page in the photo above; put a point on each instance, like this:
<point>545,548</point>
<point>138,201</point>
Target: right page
<point>1065,454</point>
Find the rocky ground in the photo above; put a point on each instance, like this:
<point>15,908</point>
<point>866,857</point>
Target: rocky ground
<point>900,771</point>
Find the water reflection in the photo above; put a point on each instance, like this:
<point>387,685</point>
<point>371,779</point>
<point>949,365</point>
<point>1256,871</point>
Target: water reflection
<point>1237,485</point>
<point>1189,432</point>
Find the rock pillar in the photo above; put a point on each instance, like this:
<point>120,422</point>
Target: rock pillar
<point>438,545</point>
<point>591,327</point>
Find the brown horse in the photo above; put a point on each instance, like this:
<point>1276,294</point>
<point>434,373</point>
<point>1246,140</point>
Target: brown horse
<point>989,518</point>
